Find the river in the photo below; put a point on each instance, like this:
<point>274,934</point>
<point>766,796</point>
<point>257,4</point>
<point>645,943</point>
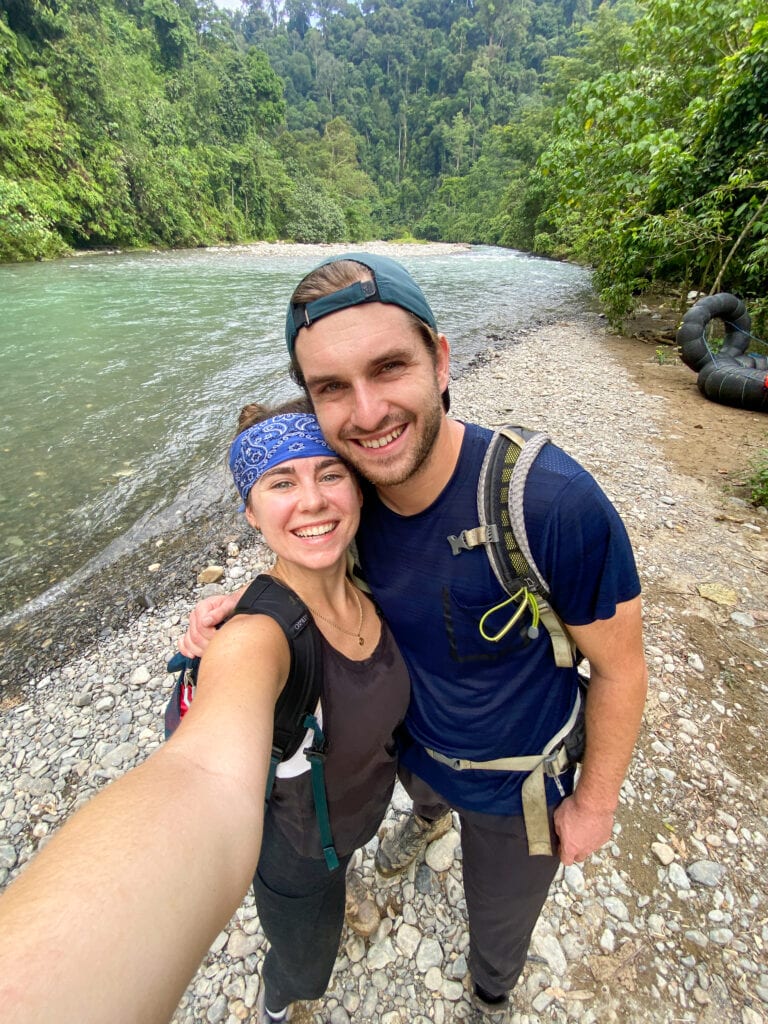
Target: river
<point>124,374</point>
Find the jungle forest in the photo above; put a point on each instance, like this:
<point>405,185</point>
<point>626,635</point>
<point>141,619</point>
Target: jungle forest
<point>628,135</point>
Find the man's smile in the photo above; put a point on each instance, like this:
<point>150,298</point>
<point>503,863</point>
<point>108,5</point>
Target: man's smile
<point>380,442</point>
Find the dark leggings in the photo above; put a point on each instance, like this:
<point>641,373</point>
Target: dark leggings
<point>301,909</point>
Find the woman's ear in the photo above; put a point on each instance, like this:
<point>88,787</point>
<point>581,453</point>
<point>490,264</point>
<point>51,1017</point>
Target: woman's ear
<point>250,515</point>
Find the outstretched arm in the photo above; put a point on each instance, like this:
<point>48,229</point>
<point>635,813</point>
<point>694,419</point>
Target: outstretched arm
<point>617,689</point>
<point>111,919</point>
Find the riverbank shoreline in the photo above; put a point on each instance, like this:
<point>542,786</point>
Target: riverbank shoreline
<point>115,586</point>
<point>663,924</point>
<point>165,569</point>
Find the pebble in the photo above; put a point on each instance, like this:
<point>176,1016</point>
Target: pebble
<point>440,853</point>
<point>664,923</point>
<point>706,872</point>
<point>664,853</point>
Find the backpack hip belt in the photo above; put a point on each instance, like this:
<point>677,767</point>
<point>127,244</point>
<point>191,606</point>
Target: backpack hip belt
<point>552,761</point>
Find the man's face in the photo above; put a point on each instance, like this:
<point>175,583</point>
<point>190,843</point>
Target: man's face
<point>376,389</point>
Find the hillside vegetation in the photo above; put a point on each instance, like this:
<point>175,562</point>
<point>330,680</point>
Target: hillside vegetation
<point>628,135</point>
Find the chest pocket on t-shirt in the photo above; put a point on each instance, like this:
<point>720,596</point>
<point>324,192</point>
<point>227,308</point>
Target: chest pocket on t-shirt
<point>462,615</point>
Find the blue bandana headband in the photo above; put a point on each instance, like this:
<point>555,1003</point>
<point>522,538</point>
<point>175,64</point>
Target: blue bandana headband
<point>279,439</point>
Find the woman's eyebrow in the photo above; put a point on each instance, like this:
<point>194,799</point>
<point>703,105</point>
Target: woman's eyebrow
<point>277,470</point>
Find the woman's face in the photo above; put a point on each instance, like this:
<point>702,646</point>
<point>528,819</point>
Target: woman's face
<point>308,510</point>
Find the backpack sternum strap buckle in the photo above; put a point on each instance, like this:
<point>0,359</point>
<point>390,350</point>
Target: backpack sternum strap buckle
<point>474,538</point>
<point>315,754</point>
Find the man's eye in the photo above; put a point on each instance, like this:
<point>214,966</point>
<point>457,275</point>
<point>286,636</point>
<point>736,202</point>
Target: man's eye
<point>281,485</point>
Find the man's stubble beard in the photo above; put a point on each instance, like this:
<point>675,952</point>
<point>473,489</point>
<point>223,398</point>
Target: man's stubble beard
<point>382,475</point>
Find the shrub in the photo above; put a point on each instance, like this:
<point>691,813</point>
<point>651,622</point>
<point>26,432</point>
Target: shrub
<point>758,480</point>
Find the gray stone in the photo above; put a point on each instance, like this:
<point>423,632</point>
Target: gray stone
<point>707,872</point>
<point>381,953</point>
<point>423,880</point>
<point>743,619</point>
<point>8,856</point>
<point>616,908</point>
<point>217,1011</point>
<point>240,945</point>
<point>677,876</point>
<point>140,676</point>
<point>120,755</point>
<point>573,876</point>
<point>429,954</point>
<point>545,944</point>
<point>439,855</point>
<point>407,939</point>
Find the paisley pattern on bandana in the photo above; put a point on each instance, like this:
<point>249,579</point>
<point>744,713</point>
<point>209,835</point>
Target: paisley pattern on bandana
<point>278,439</point>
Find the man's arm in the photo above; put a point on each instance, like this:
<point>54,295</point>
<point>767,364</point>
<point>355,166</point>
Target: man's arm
<point>617,689</point>
<point>203,620</point>
<point>111,919</point>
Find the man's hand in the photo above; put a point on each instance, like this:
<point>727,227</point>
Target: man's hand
<point>581,830</point>
<point>617,685</point>
<point>203,620</point>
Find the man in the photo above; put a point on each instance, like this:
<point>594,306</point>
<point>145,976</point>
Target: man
<point>364,345</point>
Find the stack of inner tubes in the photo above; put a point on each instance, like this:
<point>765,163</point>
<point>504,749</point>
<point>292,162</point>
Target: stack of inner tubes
<point>731,376</point>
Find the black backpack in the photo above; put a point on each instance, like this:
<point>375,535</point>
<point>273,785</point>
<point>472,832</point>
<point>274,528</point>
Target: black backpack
<point>296,705</point>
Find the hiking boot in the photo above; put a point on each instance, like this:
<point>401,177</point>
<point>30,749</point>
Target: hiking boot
<point>407,841</point>
<point>489,1013</point>
<point>262,1014</point>
<point>360,912</point>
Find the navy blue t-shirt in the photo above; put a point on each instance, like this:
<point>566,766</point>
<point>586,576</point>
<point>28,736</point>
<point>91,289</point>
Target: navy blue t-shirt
<point>470,697</point>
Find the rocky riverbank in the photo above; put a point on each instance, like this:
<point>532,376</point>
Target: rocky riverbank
<point>665,924</point>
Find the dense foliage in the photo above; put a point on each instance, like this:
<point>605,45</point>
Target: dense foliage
<point>658,167</point>
<point>628,134</point>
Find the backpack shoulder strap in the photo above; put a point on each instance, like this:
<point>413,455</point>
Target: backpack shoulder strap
<point>502,532</point>
<point>266,596</point>
<point>296,705</point>
<point>500,489</point>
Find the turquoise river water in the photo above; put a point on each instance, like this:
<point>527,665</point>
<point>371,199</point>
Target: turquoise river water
<point>124,373</point>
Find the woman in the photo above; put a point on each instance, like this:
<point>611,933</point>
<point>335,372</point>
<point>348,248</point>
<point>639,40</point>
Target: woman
<point>112,917</point>
<point>306,503</point>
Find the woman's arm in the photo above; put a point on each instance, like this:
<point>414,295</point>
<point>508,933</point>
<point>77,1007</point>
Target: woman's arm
<point>111,919</point>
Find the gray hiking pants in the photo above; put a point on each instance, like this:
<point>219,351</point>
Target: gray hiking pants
<point>301,909</point>
<point>504,886</point>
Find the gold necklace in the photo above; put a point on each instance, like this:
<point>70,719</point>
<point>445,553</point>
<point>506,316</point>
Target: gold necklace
<point>358,634</point>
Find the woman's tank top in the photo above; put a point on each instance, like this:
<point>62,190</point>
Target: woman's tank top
<point>363,702</point>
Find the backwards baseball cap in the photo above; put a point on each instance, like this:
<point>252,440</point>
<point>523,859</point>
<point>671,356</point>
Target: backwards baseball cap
<point>391,284</point>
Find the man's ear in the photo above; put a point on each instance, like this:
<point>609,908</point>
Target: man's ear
<point>443,362</point>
